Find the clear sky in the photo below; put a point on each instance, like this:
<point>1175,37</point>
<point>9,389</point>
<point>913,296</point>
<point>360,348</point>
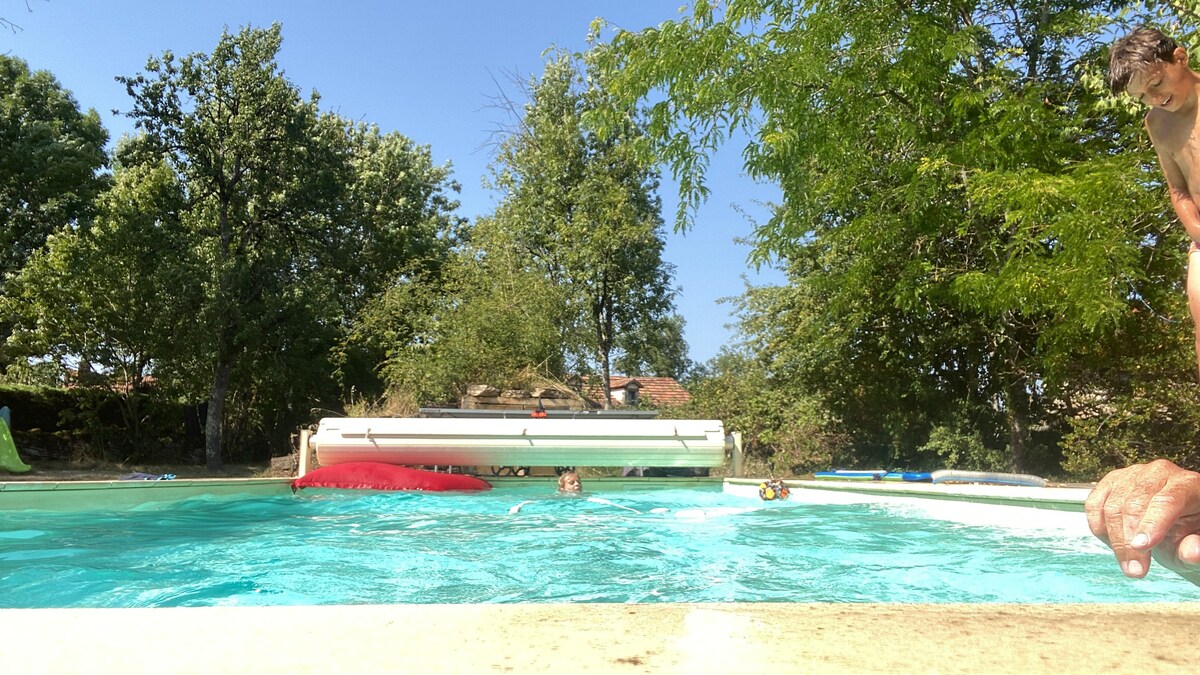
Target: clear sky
<point>428,69</point>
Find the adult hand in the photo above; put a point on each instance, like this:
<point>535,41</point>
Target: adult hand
<point>1149,510</point>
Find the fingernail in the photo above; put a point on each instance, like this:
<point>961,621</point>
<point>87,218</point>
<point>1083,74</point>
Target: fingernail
<point>1134,568</point>
<point>1140,540</point>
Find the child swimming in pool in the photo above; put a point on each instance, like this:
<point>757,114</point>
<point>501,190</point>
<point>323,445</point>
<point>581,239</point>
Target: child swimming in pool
<point>569,483</point>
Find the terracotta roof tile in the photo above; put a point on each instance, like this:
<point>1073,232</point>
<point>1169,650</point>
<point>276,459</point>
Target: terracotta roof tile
<point>655,390</point>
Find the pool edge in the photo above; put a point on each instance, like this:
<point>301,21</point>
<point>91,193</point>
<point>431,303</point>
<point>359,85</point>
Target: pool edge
<point>694,638</point>
<point>82,495</point>
<point>112,494</point>
<point>1050,498</point>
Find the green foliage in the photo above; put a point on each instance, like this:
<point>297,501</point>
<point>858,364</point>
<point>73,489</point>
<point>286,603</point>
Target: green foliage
<point>975,235</point>
<point>30,373</point>
<point>87,423</point>
<point>50,155</point>
<point>961,448</point>
<point>781,426</point>
<point>583,209</point>
<point>399,218</point>
<point>487,320</point>
<point>565,276</point>
<point>35,407</point>
<point>263,173</point>
<point>296,222</point>
<point>1145,415</point>
<point>654,348</point>
<point>248,253</point>
<point>399,235</point>
<point>103,294</point>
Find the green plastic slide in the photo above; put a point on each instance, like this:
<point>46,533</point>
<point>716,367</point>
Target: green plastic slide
<point>9,459</point>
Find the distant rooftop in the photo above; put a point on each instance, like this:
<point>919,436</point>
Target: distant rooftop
<point>664,391</point>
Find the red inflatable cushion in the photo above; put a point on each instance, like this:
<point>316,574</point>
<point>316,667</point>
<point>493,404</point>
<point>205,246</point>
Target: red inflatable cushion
<point>379,476</point>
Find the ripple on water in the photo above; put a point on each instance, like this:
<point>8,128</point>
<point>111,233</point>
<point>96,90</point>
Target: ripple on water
<point>673,545</point>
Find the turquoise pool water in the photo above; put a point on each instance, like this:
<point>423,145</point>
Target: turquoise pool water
<point>670,545</point>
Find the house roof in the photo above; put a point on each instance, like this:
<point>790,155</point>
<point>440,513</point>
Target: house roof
<point>660,390</point>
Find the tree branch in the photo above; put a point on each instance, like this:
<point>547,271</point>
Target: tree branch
<point>7,24</point>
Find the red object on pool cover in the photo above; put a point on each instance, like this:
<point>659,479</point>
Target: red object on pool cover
<point>380,476</point>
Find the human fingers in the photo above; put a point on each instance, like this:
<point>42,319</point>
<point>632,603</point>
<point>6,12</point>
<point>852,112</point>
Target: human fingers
<point>1121,515</point>
<point>1181,556</point>
<point>1093,507</point>
<point>1174,494</point>
<point>1115,513</point>
<point>1188,552</point>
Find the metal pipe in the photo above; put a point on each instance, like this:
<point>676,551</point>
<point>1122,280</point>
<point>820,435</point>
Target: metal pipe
<point>735,447</point>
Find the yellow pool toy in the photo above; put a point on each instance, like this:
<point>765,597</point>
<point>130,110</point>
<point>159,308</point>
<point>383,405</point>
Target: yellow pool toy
<point>773,489</point>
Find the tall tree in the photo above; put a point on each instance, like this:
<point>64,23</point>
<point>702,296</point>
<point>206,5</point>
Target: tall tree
<point>487,318</point>
<point>966,214</point>
<point>584,209</point>
<point>397,231</point>
<point>101,294</point>
<point>115,295</point>
<point>655,348</point>
<point>262,171</point>
<point>51,153</point>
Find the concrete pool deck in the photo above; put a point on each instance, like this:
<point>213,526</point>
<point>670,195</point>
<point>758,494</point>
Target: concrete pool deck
<point>607,638</point>
<point>620,638</point>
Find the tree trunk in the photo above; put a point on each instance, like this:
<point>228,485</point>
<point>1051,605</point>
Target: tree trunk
<point>1016,405</point>
<point>1018,428</point>
<point>606,375</point>
<point>216,416</point>
<point>602,315</point>
<point>223,373</point>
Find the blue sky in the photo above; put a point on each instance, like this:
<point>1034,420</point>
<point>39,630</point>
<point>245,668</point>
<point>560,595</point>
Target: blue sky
<point>427,69</point>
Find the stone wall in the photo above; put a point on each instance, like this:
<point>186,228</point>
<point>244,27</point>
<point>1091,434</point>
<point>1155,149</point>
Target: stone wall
<point>484,397</point>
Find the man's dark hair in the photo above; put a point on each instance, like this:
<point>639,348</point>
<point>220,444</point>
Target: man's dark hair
<point>1134,52</point>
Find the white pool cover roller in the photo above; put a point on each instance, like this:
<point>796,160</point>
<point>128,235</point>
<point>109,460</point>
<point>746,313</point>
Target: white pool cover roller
<point>520,442</point>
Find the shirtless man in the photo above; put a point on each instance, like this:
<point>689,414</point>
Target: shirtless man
<point>1151,67</point>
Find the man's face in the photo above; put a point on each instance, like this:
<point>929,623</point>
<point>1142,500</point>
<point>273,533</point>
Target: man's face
<point>1164,85</point>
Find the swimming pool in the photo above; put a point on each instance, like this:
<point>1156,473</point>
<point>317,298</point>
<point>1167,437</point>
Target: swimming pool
<point>693,544</point>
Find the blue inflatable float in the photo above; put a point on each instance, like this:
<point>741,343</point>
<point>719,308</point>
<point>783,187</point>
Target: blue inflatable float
<point>875,474</point>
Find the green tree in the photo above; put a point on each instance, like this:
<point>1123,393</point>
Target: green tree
<point>655,348</point>
<point>583,209</point>
<point>489,318</point>
<point>263,172</point>
<point>114,295</point>
<point>397,231</point>
<point>50,156</point>
<point>972,229</point>
<point>785,428</point>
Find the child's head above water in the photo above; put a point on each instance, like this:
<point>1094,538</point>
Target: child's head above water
<point>569,482</point>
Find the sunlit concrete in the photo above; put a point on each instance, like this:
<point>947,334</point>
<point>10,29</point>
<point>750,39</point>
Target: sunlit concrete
<point>606,638</point>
